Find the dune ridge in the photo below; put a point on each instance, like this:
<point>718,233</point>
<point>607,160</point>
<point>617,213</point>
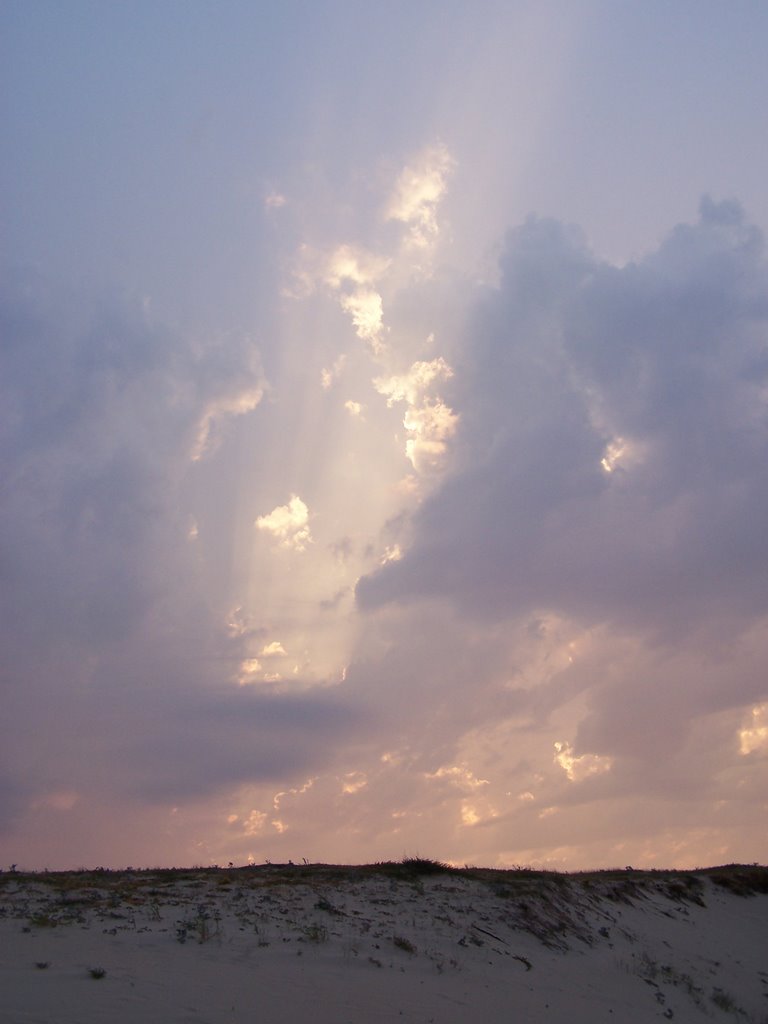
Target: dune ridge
<point>414,941</point>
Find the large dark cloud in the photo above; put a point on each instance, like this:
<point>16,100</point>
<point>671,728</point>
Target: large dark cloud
<point>118,672</point>
<point>569,353</point>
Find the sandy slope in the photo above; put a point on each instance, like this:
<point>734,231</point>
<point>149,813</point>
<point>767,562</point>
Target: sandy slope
<point>329,945</point>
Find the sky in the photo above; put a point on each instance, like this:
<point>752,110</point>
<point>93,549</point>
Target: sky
<point>383,432</point>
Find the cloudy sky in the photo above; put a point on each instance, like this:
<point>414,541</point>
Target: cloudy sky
<point>383,425</point>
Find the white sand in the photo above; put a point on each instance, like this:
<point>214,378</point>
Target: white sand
<point>331,946</point>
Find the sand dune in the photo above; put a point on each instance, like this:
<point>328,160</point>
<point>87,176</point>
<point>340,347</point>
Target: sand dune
<point>392,942</point>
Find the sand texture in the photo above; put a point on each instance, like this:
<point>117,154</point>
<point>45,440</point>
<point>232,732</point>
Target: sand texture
<point>386,943</point>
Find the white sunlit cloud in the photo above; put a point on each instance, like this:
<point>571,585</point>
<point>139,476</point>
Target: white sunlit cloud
<point>418,192</point>
<point>288,524</point>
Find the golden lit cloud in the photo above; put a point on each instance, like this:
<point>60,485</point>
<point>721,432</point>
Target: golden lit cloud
<point>429,421</point>
<point>411,386</point>
<point>579,768</point>
<point>755,735</point>
<point>249,670</point>
<point>418,192</point>
<point>288,524</point>
<point>459,775</point>
<point>233,405</point>
<point>353,782</point>
<point>273,649</point>
<point>353,265</point>
<point>255,823</point>
<point>329,376</point>
<point>430,426</point>
<point>364,306</point>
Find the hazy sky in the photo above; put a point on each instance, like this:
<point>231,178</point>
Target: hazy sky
<point>384,432</point>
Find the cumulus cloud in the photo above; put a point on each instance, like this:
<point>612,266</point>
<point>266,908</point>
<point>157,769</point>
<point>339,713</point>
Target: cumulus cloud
<point>288,524</point>
<point>657,369</point>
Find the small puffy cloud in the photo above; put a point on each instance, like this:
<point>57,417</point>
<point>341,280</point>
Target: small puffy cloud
<point>229,405</point>
<point>288,524</point>
<point>582,767</point>
<point>274,200</point>
<point>418,192</point>
<point>349,264</point>
<point>392,553</point>
<point>364,306</point>
<point>754,735</point>
<point>353,782</point>
<point>429,421</point>
<point>430,426</point>
<point>255,823</point>
<point>411,386</point>
<point>350,274</point>
<point>353,408</point>
<point>249,671</point>
<point>273,649</point>
<point>328,376</point>
<point>458,775</point>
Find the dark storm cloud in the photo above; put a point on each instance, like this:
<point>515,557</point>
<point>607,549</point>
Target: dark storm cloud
<point>669,354</point>
<point>118,675</point>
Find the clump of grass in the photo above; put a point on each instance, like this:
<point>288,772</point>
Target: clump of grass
<point>726,1002</point>
<point>42,964</point>
<point>405,944</point>
<point>316,933</point>
<point>97,973</point>
<point>424,866</point>
<point>326,905</point>
<point>43,921</point>
<point>741,880</point>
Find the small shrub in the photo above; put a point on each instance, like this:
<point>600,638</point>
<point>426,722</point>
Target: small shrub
<point>724,1001</point>
<point>42,964</point>
<point>424,866</point>
<point>316,933</point>
<point>97,973</point>
<point>43,921</point>
<point>405,944</point>
<point>326,905</point>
